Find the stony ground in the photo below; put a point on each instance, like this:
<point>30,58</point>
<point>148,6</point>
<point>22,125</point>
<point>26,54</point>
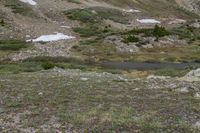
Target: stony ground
<point>34,100</point>
<point>74,101</point>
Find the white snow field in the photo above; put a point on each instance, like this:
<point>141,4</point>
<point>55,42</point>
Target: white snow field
<point>50,38</point>
<point>131,10</point>
<point>148,21</point>
<point>31,2</point>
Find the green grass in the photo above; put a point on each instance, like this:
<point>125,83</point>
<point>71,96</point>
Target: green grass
<point>19,67</point>
<point>187,32</point>
<point>20,8</point>
<point>157,31</point>
<point>172,72</point>
<point>12,45</point>
<point>97,14</point>
<point>100,104</point>
<point>89,42</point>
<point>87,31</point>
<point>54,59</point>
<point>83,15</point>
<point>95,46</point>
<point>75,1</point>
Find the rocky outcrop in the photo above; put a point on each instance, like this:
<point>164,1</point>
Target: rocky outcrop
<point>191,5</point>
<point>192,76</point>
<point>121,46</point>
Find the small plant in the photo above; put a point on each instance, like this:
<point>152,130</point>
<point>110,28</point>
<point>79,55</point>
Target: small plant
<point>48,65</point>
<point>2,23</point>
<point>130,38</point>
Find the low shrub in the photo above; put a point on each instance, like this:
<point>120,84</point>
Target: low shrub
<point>48,65</point>
<point>160,31</point>
<point>130,38</point>
<point>2,22</point>
<point>83,15</point>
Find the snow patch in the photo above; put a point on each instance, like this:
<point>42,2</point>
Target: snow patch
<point>178,21</point>
<point>148,21</point>
<point>131,10</point>
<point>63,26</point>
<point>31,2</point>
<point>50,38</point>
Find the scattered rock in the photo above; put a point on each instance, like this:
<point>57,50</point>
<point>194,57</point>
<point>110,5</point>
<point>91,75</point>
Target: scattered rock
<point>192,76</point>
<point>177,21</point>
<point>167,41</point>
<point>195,25</point>
<point>197,124</point>
<point>183,90</point>
<point>158,77</point>
<point>84,79</point>
<point>121,46</point>
<point>1,110</point>
<point>40,93</point>
<point>197,95</point>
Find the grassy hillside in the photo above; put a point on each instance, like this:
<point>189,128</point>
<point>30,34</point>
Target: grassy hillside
<point>166,8</point>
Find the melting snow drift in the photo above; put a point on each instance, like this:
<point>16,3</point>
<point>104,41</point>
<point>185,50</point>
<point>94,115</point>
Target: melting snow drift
<point>31,2</point>
<point>53,37</point>
<point>131,11</point>
<point>148,21</point>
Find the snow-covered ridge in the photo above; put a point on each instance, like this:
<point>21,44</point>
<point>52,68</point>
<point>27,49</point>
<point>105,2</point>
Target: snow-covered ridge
<point>50,38</point>
<point>31,2</point>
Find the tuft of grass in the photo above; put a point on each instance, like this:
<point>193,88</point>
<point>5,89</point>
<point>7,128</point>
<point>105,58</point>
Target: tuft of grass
<point>74,1</point>
<point>2,22</point>
<point>48,65</point>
